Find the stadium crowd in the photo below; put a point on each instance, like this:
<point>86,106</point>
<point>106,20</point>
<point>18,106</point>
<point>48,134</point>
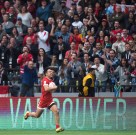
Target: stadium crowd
<point>72,36</point>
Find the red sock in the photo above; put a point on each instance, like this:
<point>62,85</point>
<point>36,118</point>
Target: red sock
<point>57,126</point>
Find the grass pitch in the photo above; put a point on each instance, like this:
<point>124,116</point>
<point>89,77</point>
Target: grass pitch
<point>52,132</point>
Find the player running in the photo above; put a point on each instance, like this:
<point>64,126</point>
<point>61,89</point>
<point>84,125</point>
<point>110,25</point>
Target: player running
<point>46,100</point>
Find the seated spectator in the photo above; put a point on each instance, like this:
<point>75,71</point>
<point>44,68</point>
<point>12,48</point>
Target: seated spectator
<point>24,58</point>
<point>7,25</point>
<point>25,16</point>
<point>100,74</point>
<point>3,75</point>
<point>29,78</point>
<point>43,61</point>
<point>60,49</point>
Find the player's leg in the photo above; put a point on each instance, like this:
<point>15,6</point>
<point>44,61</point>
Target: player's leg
<point>55,111</point>
<point>36,114</point>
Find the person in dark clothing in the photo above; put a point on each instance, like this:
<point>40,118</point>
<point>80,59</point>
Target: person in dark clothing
<point>29,78</point>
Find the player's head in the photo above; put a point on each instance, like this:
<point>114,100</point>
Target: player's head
<point>49,72</point>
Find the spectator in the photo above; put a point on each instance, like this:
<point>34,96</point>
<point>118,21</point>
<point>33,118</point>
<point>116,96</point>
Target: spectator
<point>24,58</point>
<point>63,77</point>
<point>123,72</point>
<point>76,37</point>
<point>127,53</point>
<point>63,7</point>
<point>7,25</point>
<point>2,32</point>
<point>80,12</point>
<point>125,36</point>
<point>44,12</point>
<point>100,74</point>
<point>43,39</point>
<point>12,14</point>
<point>31,8</point>
<point>7,6</point>
<point>11,55</point>
<point>60,49</point>
<point>3,75</point>
<point>86,64</point>
<point>64,33</point>
<point>77,23</point>
<point>25,16</point>
<point>29,78</point>
<point>68,53</point>
<point>21,28</point>
<point>33,48</point>
<point>54,62</point>
<point>34,25</point>
<point>43,61</point>
<point>119,45</point>
<point>74,70</point>
<point>30,34</point>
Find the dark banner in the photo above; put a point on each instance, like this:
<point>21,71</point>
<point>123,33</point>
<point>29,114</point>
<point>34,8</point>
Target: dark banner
<point>75,113</point>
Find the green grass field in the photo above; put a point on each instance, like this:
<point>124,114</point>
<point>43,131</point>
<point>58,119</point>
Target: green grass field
<point>42,132</point>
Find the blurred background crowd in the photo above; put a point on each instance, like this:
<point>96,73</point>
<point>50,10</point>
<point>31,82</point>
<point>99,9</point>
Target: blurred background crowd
<point>72,36</point>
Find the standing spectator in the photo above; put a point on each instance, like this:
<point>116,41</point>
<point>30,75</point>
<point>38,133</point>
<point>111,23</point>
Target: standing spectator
<point>123,72</point>
<point>77,23</point>
<point>119,45</point>
<point>28,79</point>
<point>74,70</point>
<point>64,33</point>
<point>21,28</point>
<point>12,14</point>
<point>54,62</point>
<point>63,7</point>
<point>31,8</point>
<point>7,6</point>
<point>11,55</point>
<point>127,53</point>
<point>76,37</point>
<point>25,16</point>
<point>24,58</point>
<point>60,49</point>
<point>80,12</point>
<point>7,25</point>
<point>3,75</point>
<point>34,25</point>
<point>62,73</point>
<point>2,32</point>
<point>125,36</point>
<point>68,53</point>
<point>44,12</point>
<point>88,84</point>
<point>30,34</point>
<point>100,74</point>
<point>86,64</point>
<point>43,39</point>
<point>43,61</point>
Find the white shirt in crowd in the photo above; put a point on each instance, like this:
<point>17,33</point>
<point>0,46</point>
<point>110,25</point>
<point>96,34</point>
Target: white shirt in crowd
<point>120,45</point>
<point>43,40</point>
<point>78,24</point>
<point>26,18</point>
<point>100,74</point>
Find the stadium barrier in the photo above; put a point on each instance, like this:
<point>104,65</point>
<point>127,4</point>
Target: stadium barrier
<point>76,113</point>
